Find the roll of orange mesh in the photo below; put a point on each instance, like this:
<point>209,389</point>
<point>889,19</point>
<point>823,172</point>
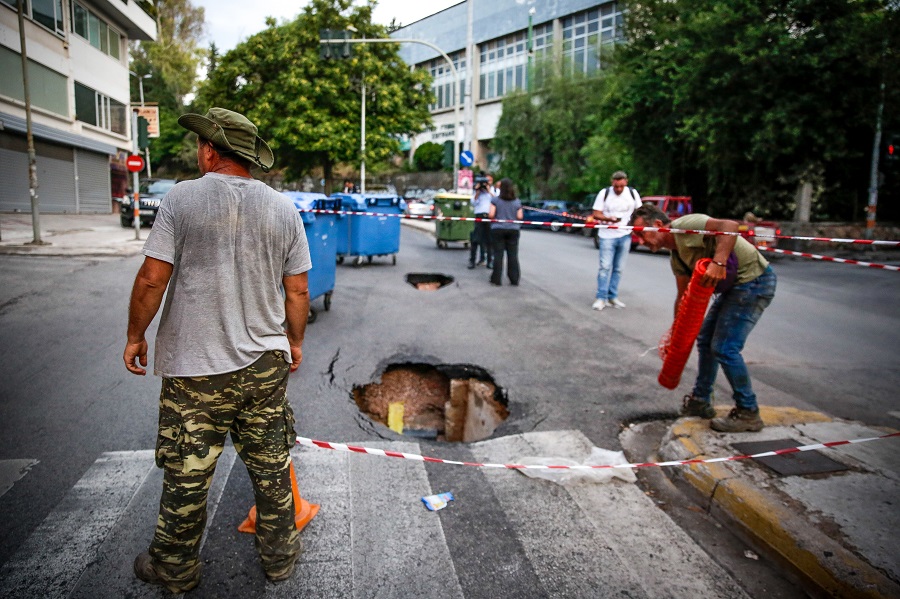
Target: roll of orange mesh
<point>686,327</point>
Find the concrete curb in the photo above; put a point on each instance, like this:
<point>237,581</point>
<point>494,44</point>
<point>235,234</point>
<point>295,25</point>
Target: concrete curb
<point>768,517</point>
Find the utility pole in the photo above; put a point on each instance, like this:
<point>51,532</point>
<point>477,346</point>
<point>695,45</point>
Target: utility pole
<point>32,161</point>
<point>147,149</point>
<point>529,49</point>
<point>362,141</point>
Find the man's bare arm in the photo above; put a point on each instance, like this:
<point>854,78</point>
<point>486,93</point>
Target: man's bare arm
<point>146,296</point>
<point>296,310</point>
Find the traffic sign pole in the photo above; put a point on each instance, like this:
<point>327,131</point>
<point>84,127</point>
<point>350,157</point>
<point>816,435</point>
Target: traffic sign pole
<point>135,182</point>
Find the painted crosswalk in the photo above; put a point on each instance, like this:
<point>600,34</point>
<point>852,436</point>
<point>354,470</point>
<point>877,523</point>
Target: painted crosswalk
<point>505,535</point>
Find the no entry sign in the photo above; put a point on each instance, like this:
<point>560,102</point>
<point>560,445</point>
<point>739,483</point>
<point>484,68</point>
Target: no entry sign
<point>135,163</point>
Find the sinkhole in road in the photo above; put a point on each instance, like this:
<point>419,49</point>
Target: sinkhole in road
<point>446,402</point>
<point>424,281</point>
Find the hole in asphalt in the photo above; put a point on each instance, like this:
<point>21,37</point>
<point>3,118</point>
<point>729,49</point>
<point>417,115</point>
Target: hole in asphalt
<point>424,281</point>
<point>448,402</point>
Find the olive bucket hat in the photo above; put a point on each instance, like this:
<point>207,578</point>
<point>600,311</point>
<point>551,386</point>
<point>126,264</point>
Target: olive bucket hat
<point>231,132</point>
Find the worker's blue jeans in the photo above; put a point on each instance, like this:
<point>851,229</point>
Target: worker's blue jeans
<point>612,261</point>
<point>723,334</point>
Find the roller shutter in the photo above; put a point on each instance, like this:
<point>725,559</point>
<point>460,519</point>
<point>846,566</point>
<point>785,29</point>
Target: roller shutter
<point>55,173</point>
<point>94,193</point>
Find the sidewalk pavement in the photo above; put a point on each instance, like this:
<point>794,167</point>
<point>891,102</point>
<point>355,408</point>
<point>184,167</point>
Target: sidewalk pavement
<point>837,531</point>
<point>69,235</point>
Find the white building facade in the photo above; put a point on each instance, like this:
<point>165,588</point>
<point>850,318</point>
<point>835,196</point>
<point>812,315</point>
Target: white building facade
<point>572,34</point>
<point>77,53</point>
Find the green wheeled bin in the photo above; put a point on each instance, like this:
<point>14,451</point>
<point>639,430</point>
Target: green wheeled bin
<point>453,204</point>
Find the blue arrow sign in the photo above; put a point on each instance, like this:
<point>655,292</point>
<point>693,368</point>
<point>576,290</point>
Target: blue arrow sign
<point>466,158</point>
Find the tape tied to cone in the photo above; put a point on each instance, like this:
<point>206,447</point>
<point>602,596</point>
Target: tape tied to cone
<point>304,511</point>
<point>688,320</point>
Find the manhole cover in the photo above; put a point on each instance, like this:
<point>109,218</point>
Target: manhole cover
<point>453,402</point>
<point>428,281</point>
<point>790,464</point>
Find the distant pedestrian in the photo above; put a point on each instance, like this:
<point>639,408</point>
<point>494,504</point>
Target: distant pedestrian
<point>613,204</point>
<point>505,236</point>
<point>223,245</point>
<point>480,240</point>
<point>746,286</point>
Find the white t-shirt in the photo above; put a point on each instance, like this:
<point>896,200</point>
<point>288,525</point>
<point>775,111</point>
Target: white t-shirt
<point>230,241</point>
<point>618,206</point>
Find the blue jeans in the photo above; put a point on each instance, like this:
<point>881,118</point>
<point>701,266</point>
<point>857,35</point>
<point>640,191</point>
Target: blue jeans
<point>723,334</point>
<point>612,261</point>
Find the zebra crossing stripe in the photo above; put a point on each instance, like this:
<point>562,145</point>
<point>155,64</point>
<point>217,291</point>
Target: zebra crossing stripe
<point>50,562</point>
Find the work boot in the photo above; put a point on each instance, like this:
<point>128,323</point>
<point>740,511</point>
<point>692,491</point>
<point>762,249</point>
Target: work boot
<point>691,406</point>
<point>148,570</point>
<point>739,420</point>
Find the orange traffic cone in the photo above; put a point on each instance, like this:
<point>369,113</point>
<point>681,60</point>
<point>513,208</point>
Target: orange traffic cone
<point>304,511</point>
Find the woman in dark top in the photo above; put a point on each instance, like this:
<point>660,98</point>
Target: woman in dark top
<point>505,236</point>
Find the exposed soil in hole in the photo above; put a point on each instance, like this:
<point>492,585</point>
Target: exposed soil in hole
<point>451,402</point>
<point>424,281</point>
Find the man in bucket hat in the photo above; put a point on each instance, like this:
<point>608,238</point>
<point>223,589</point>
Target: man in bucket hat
<point>223,245</point>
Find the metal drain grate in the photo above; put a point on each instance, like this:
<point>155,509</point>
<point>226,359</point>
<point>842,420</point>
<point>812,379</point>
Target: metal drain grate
<point>790,464</point>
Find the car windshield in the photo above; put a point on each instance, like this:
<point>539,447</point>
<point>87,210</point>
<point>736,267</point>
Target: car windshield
<point>157,187</point>
<point>554,206</point>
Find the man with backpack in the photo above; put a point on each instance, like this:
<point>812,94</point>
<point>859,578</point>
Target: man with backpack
<point>614,204</point>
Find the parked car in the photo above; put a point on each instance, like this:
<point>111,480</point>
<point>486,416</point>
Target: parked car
<point>555,212</point>
<point>759,232</point>
<point>151,194</point>
<point>420,207</point>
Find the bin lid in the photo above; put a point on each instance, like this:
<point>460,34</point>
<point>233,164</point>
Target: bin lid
<point>304,200</point>
<point>351,201</point>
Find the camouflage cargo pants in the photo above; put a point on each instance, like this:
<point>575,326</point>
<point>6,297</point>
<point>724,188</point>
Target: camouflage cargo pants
<point>195,415</point>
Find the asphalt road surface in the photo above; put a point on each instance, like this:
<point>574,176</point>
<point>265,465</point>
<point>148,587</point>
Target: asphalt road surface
<point>79,487</point>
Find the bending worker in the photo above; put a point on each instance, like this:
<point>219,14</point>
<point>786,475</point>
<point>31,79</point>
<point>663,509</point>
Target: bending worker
<point>733,314</point>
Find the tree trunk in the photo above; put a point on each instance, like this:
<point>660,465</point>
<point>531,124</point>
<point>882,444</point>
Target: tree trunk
<point>804,202</point>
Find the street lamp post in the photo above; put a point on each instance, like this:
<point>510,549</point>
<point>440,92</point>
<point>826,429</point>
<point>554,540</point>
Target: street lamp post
<point>147,149</point>
<point>456,85</point>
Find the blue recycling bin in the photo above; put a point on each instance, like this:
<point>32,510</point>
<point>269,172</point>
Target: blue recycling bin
<point>322,238</point>
<point>367,236</point>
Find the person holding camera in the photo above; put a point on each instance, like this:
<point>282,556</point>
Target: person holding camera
<point>481,234</point>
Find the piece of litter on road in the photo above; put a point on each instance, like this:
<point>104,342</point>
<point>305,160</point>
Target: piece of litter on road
<point>437,502</point>
<point>750,555</point>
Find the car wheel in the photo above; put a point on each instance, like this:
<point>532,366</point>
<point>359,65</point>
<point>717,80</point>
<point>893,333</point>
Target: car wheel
<point>127,223</point>
<point>555,226</point>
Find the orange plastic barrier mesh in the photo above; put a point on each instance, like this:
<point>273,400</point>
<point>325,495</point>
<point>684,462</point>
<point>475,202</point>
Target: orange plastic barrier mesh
<point>686,327</point>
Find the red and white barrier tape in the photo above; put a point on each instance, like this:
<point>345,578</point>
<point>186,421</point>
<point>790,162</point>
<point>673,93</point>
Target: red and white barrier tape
<point>832,259</point>
<point>420,458</point>
<point>597,225</point>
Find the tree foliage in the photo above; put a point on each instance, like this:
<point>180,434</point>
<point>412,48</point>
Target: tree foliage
<point>429,156</point>
<point>740,102</point>
<point>309,108</point>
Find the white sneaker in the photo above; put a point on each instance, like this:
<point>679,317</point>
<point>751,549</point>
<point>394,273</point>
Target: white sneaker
<point>598,305</point>
<point>616,303</point>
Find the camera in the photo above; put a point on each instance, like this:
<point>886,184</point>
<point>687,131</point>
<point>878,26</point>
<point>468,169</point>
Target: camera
<point>481,182</point>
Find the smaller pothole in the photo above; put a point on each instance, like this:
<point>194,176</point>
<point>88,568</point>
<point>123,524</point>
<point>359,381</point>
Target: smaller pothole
<point>424,281</point>
<point>448,402</point>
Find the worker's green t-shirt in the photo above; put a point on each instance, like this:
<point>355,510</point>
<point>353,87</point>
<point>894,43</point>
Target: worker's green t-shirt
<point>690,247</point>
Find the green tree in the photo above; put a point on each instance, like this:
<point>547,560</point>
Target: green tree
<point>309,108</point>
<point>742,102</point>
<point>172,62</point>
<point>428,156</point>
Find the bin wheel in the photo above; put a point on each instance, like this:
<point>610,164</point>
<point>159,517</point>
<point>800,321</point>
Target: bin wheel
<point>340,259</point>
<point>369,259</point>
<point>394,259</point>
<point>311,317</point>
<point>597,242</point>
<point>328,301</point>
<point>437,242</point>
<point>466,244</point>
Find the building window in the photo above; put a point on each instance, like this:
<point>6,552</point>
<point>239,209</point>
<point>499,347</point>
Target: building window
<point>588,34</point>
<point>99,110</point>
<point>96,31</point>
<point>48,88</point>
<point>443,81</point>
<point>504,61</point>
<point>48,13</point>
